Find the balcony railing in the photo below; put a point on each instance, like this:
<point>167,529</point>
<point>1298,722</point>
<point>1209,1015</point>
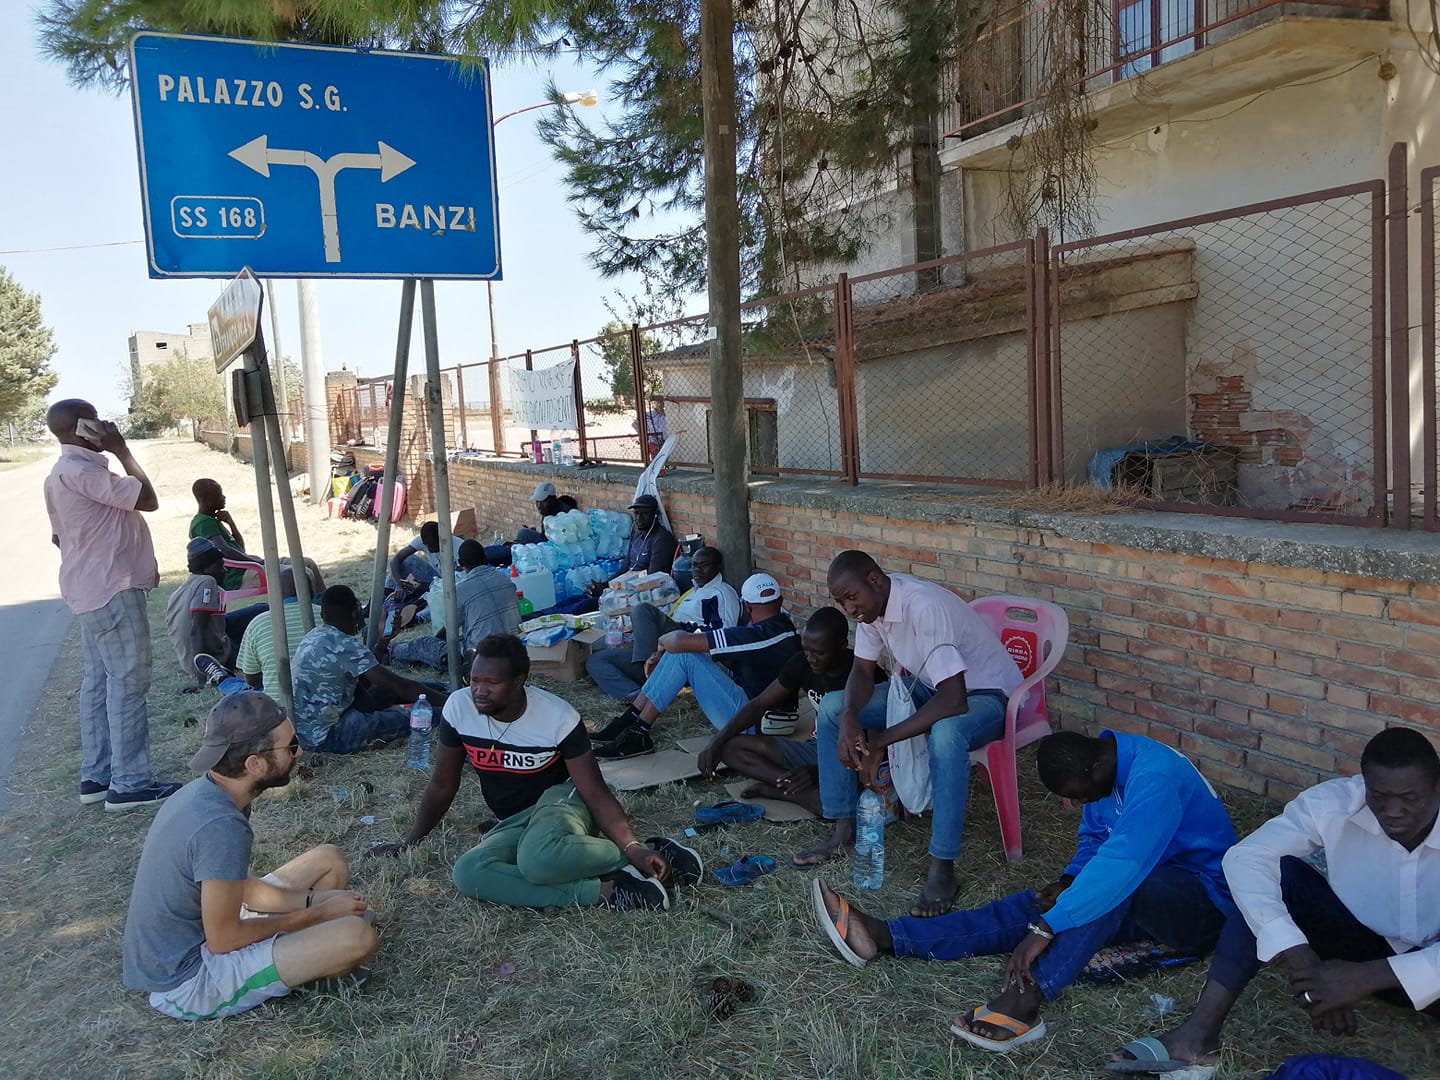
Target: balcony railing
<point>1008,69</point>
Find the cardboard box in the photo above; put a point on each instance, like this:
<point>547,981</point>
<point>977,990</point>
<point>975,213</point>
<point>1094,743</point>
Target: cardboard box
<point>565,660</point>
<point>464,524</point>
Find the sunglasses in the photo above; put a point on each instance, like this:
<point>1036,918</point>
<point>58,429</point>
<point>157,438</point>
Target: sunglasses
<point>293,747</point>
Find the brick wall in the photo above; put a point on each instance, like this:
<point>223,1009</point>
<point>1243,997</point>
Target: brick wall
<point>1272,676</point>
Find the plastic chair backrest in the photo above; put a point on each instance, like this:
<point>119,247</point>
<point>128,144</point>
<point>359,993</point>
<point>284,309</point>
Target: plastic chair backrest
<point>261,588</point>
<point>1034,633</point>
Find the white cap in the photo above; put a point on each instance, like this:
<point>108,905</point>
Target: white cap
<point>543,491</point>
<point>760,589</point>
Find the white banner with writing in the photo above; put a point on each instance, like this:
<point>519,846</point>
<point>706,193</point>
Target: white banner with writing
<point>545,398</point>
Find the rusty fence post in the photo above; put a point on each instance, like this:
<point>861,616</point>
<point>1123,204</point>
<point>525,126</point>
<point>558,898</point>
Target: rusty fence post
<point>637,374</point>
<point>1399,276</point>
<point>845,381</point>
<point>579,397</point>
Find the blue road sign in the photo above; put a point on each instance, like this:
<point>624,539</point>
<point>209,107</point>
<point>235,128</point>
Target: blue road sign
<point>308,161</point>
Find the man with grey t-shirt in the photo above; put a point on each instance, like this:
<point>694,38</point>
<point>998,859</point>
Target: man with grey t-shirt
<point>203,937</point>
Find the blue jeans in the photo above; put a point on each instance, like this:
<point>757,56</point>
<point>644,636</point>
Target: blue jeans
<point>614,672</point>
<point>717,694</point>
<point>950,741</point>
<point>232,684</point>
<point>356,728</point>
<point>114,724</point>
<point>426,650</point>
<point>236,621</point>
<point>1170,906</point>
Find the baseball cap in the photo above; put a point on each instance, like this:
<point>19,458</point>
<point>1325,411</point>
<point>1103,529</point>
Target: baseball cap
<point>760,589</point>
<point>646,502</point>
<point>200,551</point>
<point>236,718</point>
<point>543,491</point>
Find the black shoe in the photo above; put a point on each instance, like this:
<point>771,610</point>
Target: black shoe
<point>92,792</point>
<point>210,669</point>
<point>635,892</point>
<point>117,802</point>
<point>632,742</point>
<point>686,866</point>
<point>614,726</point>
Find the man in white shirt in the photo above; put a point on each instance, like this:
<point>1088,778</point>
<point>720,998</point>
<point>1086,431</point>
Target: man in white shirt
<point>1368,925</point>
<point>960,677</point>
<point>709,605</point>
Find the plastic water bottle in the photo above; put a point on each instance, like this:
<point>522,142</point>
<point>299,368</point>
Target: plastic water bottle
<point>557,452</point>
<point>419,748</point>
<point>868,868</point>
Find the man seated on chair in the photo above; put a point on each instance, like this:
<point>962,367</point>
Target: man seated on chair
<point>1147,866</point>
<point>345,700</point>
<point>255,667</point>
<point>214,523</point>
<point>784,767</point>
<point>960,677</point>
<point>562,839</point>
<point>195,614</point>
<point>485,604</point>
<point>1368,925</point>
<point>725,668</point>
<point>205,939</point>
<point>710,604</point>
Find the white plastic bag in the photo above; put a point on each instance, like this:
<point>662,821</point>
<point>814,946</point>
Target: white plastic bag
<point>909,758</point>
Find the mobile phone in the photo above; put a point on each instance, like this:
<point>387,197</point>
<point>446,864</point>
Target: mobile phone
<point>89,430</point>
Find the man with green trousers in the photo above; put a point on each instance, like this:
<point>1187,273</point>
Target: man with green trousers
<point>562,839</point>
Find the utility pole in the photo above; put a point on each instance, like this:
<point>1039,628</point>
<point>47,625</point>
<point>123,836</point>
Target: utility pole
<point>722,241</point>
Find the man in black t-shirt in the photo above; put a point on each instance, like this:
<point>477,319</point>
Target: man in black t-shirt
<point>562,839</point>
<point>785,768</point>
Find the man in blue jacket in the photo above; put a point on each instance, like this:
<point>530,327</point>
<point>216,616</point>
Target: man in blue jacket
<point>1148,865</point>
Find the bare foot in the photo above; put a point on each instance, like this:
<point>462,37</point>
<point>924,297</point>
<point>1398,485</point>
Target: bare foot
<point>938,896</point>
<point>1182,1045</point>
<point>834,846</point>
<point>866,935</point>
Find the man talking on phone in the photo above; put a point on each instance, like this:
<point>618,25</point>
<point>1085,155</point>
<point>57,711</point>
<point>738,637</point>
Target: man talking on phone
<point>107,565</point>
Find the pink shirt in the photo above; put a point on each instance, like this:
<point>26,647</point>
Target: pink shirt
<point>105,545</point>
<point>935,635</point>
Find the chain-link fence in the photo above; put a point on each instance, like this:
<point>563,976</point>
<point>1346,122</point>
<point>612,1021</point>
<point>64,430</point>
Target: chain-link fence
<point>943,365</point>
<point>607,371</point>
<point>371,412</point>
<point>1234,359</point>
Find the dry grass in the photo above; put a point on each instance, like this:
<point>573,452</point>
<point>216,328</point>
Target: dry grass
<point>592,993</point>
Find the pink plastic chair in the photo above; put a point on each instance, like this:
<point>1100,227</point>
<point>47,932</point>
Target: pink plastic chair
<point>240,594</point>
<point>1034,632</point>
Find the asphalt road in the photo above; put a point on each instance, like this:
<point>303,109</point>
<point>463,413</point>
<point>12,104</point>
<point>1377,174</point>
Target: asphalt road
<point>34,622</point>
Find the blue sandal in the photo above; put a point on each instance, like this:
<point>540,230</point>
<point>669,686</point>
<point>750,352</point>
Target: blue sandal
<point>745,871</point>
<point>729,812</point>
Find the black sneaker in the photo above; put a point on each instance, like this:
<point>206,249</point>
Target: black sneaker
<point>92,792</point>
<point>634,892</point>
<point>686,866</point>
<point>614,726</point>
<point>117,802</point>
<point>632,742</point>
<point>210,669</point>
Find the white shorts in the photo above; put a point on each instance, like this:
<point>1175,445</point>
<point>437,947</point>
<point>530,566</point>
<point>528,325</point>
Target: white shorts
<point>226,984</point>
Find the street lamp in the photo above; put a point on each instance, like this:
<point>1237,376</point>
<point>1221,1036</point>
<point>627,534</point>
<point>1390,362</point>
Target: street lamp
<point>584,98</point>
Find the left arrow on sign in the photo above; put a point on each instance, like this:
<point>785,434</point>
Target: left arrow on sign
<point>258,155</point>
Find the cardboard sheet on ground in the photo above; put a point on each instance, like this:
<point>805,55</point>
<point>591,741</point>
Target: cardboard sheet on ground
<point>650,770</point>
<point>775,809</point>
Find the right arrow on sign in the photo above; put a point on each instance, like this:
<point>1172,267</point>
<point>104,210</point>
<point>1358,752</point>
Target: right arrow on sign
<point>258,155</point>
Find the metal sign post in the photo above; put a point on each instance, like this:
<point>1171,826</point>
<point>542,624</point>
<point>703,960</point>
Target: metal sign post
<point>441,462</point>
<point>392,462</point>
<point>236,332</point>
